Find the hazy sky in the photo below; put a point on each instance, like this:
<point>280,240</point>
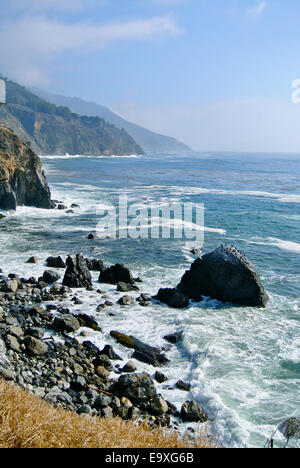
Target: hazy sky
<point>216,74</point>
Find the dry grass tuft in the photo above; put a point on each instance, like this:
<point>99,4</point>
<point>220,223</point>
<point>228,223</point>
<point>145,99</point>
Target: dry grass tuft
<point>29,422</point>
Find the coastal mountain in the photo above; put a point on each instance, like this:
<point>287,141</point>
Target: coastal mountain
<point>22,181</point>
<point>56,130</point>
<point>148,140</point>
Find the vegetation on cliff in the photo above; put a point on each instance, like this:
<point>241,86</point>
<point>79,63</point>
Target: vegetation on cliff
<point>57,130</point>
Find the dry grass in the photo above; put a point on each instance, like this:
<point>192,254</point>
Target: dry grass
<point>29,422</point>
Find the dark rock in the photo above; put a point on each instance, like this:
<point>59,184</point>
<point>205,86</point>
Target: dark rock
<point>55,262</point>
<point>143,352</point>
<point>160,377</point>
<point>88,321</point>
<point>174,337</point>
<point>125,300</point>
<point>226,275</point>
<point>183,386</point>
<point>124,287</point>
<point>138,388</point>
<point>173,298</point>
<point>34,346</point>
<point>32,260</point>
<point>9,286</point>
<point>61,207</point>
<point>115,274</point>
<point>66,324</point>
<point>195,251</point>
<point>91,237</point>
<point>50,277</point>
<point>109,351</point>
<point>77,275</point>
<point>192,412</point>
<point>95,264</point>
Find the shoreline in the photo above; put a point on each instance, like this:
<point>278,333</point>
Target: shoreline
<point>65,368</point>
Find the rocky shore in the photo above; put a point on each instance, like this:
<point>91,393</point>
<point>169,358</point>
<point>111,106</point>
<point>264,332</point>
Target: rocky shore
<point>43,346</point>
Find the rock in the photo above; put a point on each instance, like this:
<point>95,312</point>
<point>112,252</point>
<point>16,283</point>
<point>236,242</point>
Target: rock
<point>225,275</point>
<point>174,337</point>
<point>290,428</point>
<point>102,373</point>
<point>4,362</point>
<point>75,205</point>
<point>50,277</point>
<point>55,262</point>
<point>12,343</point>
<point>143,352</point>
<point>126,300</point>
<point>160,377</point>
<point>173,298</point>
<point>138,388</point>
<point>66,324</point>
<point>195,251</point>
<point>77,275</point>
<point>192,412</point>
<point>32,260</point>
<point>88,321</point>
<point>9,286</point>
<point>95,264</point>
<point>109,352</point>
<point>124,287</point>
<point>115,274</point>
<point>183,386</point>
<point>7,374</point>
<point>22,181</point>
<point>130,367</point>
<point>91,237</point>
<point>34,346</point>
<point>85,409</point>
<point>158,406</point>
<point>35,332</point>
<point>61,207</point>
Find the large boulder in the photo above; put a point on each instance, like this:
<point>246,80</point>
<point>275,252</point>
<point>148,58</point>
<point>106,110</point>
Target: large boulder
<point>173,298</point>
<point>138,388</point>
<point>55,262</point>
<point>66,323</point>
<point>77,274</point>
<point>115,274</point>
<point>227,275</point>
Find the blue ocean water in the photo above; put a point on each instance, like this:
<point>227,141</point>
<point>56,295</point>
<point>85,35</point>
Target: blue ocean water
<point>243,363</point>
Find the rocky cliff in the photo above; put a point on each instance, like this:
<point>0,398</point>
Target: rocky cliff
<point>22,181</point>
<point>56,130</point>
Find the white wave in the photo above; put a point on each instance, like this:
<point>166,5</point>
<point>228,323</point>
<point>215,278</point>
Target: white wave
<point>78,156</point>
<point>281,197</point>
<point>279,243</point>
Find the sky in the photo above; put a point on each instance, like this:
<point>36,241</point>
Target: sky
<point>216,74</point>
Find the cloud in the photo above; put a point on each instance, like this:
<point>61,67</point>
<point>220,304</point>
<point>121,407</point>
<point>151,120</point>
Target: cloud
<point>28,45</point>
<point>258,10</point>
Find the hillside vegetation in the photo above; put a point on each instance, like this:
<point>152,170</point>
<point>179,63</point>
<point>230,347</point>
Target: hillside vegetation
<point>56,130</point>
<point>29,422</point>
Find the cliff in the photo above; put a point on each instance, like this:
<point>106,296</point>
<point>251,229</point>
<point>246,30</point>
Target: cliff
<point>22,181</point>
<point>151,142</point>
<point>57,130</point>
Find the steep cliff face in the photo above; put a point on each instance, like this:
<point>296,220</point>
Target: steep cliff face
<point>57,130</point>
<point>22,181</point>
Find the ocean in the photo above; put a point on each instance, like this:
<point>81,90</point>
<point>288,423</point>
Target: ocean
<point>243,363</point>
